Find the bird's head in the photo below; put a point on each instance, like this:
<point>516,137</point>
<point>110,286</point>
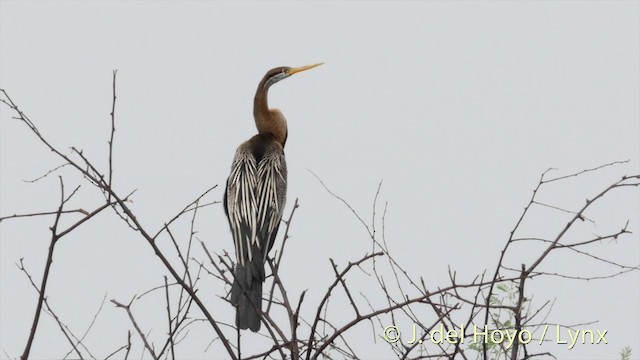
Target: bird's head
<point>283,72</point>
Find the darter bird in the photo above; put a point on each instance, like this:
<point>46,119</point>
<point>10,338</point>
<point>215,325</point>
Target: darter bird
<point>254,200</point>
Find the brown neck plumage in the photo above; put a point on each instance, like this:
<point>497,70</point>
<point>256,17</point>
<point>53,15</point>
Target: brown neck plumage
<point>268,121</point>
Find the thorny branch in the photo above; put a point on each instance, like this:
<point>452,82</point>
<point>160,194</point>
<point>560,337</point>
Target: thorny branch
<point>50,311</point>
<point>55,237</point>
<point>143,337</point>
<point>325,332</point>
<point>528,272</point>
<point>91,173</point>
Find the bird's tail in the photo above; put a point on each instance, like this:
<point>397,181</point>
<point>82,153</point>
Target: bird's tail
<point>246,295</point>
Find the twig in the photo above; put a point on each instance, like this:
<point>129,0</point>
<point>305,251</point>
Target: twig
<point>328,294</point>
<point>93,321</point>
<point>279,253</point>
<point>113,130</point>
<point>47,268</point>
<point>127,347</point>
<point>143,337</point>
<point>53,314</point>
<point>93,176</point>
<point>47,173</point>
<point>587,170</point>
<point>166,291</point>
<point>81,211</point>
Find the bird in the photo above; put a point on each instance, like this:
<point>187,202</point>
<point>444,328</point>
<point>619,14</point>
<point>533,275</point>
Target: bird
<point>255,197</point>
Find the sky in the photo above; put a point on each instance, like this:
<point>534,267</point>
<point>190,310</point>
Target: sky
<point>457,107</point>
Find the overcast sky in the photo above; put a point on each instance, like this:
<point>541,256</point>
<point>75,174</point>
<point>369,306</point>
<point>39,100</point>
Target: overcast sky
<point>458,107</point>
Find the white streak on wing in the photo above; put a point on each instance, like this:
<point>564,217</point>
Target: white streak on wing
<point>255,199</point>
<point>241,202</point>
<point>270,201</point>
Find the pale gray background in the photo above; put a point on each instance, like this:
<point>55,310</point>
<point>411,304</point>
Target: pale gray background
<point>457,106</point>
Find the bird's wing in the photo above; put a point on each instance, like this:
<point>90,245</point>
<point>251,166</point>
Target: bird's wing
<point>272,189</point>
<point>241,203</point>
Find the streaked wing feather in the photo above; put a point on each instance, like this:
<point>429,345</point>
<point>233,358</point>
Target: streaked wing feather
<point>272,186</point>
<point>241,203</point>
<point>256,194</point>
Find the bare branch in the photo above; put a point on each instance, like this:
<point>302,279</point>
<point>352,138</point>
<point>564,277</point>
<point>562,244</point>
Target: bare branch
<point>143,337</point>
<point>113,130</point>
<point>81,211</point>
<point>45,276</point>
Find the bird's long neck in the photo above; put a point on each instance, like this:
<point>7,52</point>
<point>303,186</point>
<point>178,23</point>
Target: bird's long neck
<point>268,121</point>
<point>261,105</point>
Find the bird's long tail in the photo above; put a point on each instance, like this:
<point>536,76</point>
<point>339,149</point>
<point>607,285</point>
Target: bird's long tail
<point>246,295</point>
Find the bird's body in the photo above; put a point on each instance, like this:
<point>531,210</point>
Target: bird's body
<point>254,200</point>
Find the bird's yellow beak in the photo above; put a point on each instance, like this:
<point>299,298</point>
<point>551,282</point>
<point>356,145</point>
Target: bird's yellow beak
<point>303,68</point>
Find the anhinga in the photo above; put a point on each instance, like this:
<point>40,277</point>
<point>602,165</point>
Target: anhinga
<point>254,199</point>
